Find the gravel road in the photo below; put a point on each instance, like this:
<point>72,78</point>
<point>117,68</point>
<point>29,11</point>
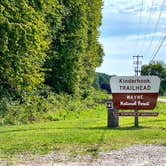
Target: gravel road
<point>161,100</point>
<point>136,155</point>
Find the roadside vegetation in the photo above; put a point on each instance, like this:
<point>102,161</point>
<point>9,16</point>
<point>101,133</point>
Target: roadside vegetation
<point>50,95</point>
<point>162,97</point>
<point>49,51</point>
<point>157,68</point>
<point>82,132</point>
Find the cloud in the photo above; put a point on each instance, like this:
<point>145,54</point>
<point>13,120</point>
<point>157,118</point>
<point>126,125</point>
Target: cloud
<point>124,35</point>
<point>134,7</point>
<point>124,18</point>
<point>117,45</point>
<point>127,45</point>
<point>156,35</point>
<point>116,67</point>
<point>120,50</point>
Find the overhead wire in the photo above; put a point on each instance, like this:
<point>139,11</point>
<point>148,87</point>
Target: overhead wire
<point>163,36</point>
<point>148,21</point>
<point>140,6</point>
<point>157,23</point>
<point>150,14</point>
<point>161,41</point>
<point>141,9</point>
<point>140,22</point>
<point>158,48</point>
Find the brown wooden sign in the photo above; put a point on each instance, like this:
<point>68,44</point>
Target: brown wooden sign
<point>136,113</point>
<point>137,92</point>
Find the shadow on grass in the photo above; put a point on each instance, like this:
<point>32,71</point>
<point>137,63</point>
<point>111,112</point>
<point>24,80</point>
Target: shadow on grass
<point>24,130</point>
<point>85,125</point>
<point>118,128</point>
<point>155,120</point>
<point>101,128</point>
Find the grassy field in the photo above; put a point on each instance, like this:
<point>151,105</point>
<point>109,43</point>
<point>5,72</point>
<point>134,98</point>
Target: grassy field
<point>81,133</point>
<point>162,97</point>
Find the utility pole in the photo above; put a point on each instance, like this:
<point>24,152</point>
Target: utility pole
<point>137,66</point>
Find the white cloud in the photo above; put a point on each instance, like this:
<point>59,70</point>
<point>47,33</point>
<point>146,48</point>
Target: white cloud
<point>116,67</point>
<point>134,7</point>
<point>117,45</point>
<point>119,52</point>
<point>124,37</point>
<point>126,45</point>
<point>156,35</point>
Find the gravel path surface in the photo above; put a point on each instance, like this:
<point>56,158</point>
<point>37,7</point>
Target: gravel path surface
<point>136,155</point>
<point>161,100</point>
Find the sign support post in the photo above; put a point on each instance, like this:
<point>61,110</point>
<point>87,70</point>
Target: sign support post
<point>136,122</point>
<point>112,119</point>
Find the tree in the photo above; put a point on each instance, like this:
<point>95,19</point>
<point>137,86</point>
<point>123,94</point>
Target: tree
<point>53,41</point>
<point>102,81</point>
<point>157,68</point>
<point>23,41</point>
<point>67,48</point>
<point>74,52</point>
<point>94,51</point>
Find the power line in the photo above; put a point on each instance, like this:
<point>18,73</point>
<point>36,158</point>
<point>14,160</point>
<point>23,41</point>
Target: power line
<point>141,9</point>
<point>148,21</point>
<point>137,63</point>
<point>150,14</point>
<point>158,49</point>
<point>157,23</point>
<point>140,21</point>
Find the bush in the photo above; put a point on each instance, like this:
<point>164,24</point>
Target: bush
<point>44,105</point>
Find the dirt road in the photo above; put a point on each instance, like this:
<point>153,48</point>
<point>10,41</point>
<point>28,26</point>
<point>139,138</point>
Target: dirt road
<point>135,155</point>
<point>162,100</point>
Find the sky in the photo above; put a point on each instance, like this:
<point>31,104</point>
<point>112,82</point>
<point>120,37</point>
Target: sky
<point>130,28</point>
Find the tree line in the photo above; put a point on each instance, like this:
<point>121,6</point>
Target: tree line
<point>49,44</point>
<point>102,82</point>
<point>53,42</point>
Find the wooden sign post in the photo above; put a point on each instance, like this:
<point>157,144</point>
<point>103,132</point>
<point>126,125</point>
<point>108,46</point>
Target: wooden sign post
<point>112,119</point>
<point>135,92</point>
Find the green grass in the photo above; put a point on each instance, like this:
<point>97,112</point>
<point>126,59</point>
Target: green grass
<point>81,133</point>
<point>162,97</point>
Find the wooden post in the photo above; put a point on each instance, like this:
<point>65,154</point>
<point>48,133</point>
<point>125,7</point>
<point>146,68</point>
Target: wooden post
<point>136,122</point>
<point>112,120</point>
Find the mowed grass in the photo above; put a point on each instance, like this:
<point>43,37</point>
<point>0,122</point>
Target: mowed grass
<point>82,133</point>
<point>162,97</point>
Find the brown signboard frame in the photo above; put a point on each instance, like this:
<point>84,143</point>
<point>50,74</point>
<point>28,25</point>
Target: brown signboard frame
<point>135,92</point>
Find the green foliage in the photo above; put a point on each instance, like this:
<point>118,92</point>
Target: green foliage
<point>104,78</point>
<point>96,83</point>
<point>22,45</point>
<point>47,43</point>
<point>74,51</point>
<point>102,81</point>
<point>94,51</point>
<point>157,68</point>
<point>44,105</point>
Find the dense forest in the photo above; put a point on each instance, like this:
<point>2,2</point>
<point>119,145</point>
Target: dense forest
<point>102,82</point>
<point>49,51</point>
